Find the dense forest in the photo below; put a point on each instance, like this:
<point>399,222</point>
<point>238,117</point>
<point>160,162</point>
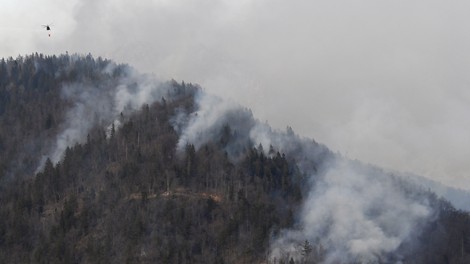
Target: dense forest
<point>129,190</point>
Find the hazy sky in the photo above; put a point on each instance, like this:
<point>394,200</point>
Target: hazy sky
<point>383,81</point>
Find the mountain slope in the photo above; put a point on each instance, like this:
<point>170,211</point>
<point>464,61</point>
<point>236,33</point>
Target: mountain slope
<point>458,197</point>
<point>100,164</point>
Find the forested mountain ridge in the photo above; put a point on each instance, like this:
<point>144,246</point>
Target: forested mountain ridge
<point>101,165</point>
<point>32,107</point>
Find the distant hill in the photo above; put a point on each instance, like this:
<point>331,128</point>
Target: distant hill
<point>459,198</point>
<point>101,164</point>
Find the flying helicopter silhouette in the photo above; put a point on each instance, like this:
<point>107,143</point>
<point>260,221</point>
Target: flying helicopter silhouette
<point>48,28</point>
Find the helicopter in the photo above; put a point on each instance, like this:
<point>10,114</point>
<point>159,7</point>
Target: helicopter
<point>48,28</point>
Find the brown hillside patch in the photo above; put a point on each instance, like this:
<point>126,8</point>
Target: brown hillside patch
<point>179,193</point>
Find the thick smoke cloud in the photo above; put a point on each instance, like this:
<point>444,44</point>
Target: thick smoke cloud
<point>385,82</point>
<point>389,75</point>
<point>356,215</point>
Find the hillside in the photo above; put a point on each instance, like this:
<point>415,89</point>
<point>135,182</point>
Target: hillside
<point>459,198</point>
<point>100,164</point>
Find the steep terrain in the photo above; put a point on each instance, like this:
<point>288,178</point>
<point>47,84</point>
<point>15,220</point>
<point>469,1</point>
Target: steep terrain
<point>99,164</point>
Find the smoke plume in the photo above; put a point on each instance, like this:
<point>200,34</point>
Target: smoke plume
<point>101,104</point>
<point>356,215</point>
<point>352,212</point>
<point>207,122</point>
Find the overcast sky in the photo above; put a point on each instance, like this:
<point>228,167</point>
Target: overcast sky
<point>386,82</point>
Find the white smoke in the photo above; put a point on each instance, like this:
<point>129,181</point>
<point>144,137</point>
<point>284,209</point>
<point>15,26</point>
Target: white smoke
<point>137,90</point>
<point>208,117</point>
<point>90,106</point>
<point>394,72</point>
<point>205,124</point>
<point>356,215</point>
<point>213,113</point>
<point>353,212</point>
<point>101,104</point>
